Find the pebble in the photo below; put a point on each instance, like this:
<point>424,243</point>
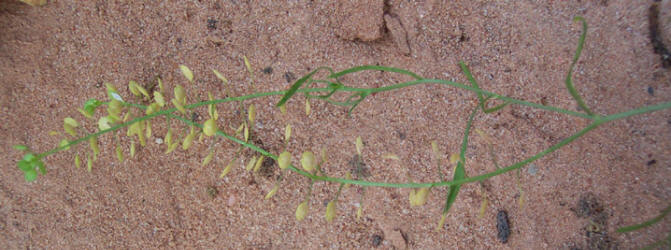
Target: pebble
<point>159,141</point>
<point>532,169</point>
<point>502,226</point>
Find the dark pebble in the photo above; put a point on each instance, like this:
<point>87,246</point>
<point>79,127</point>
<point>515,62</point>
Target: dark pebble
<point>652,162</point>
<point>502,226</point>
<point>268,70</point>
<point>651,91</point>
<point>289,77</point>
<point>211,24</point>
<point>377,240</point>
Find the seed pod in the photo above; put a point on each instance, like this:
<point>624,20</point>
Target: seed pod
<point>64,143</point>
<point>421,196</point>
<point>186,72</point>
<point>188,140</point>
<point>359,213</point>
<point>284,160</point>
<point>272,192</point>
<point>308,109</point>
<point>180,94</point>
<point>246,131</point>
<point>220,76</point>
<point>210,127</point>
<point>208,158</point>
<point>283,109</point>
<point>227,169</point>
<point>302,211</point>
<point>89,163</point>
<point>78,163</point>
<point>248,65</point>
<point>330,211</point>
<point>258,164</point>
<point>69,126</point>
<point>93,142</point>
<point>119,152</point>
<point>132,149</point>
<point>308,161</point>
<point>104,123</point>
<point>251,114</point>
<point>250,164</point>
<point>287,133</point>
<point>359,145</point>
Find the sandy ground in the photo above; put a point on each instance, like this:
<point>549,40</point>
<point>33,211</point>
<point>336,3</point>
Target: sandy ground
<point>53,58</point>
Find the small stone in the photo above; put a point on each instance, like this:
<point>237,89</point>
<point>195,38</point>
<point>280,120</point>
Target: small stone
<point>211,24</point>
<point>651,91</point>
<point>268,70</point>
<point>159,141</point>
<point>502,226</point>
<point>532,169</point>
<point>377,239</point>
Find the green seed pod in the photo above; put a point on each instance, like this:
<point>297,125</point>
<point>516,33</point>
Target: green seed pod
<point>330,211</point>
<point>272,192</point>
<point>186,72</point>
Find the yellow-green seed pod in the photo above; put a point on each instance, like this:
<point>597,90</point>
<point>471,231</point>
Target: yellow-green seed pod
<point>483,207</point>
<point>132,86</point>
<point>212,108</point>
<point>143,91</point>
<point>359,213</point>
<point>69,126</point>
<point>272,192</point>
<point>89,163</point>
<point>283,109</point>
<point>287,133</point>
<point>258,164</point>
<point>390,156</point>
<point>227,169</point>
<point>119,153</point>
<point>159,98</point>
<point>240,128</point>
<point>284,160</point>
<point>308,161</point>
<point>308,109</point>
<point>104,123</point>
<point>64,143</point>
<point>86,114</point>
<point>348,176</point>
<point>208,158</point>
<point>441,222</point>
<point>210,127</point>
<point>250,164</point>
<point>132,149</point>
<point>302,211</point>
<point>126,117</point>
<point>172,147</point>
<point>179,106</point>
<point>330,211</point>
<point>54,133</point>
<point>168,137</point>
<point>359,145</point>
<point>78,163</point>
<point>93,142</point>
<point>246,131</point>
<point>186,72</point>
<point>220,76</point>
<point>251,114</point>
<point>188,140</point>
<point>421,195</point>
<point>248,65</point>
<point>180,94</point>
<point>324,155</point>
<point>160,85</point>
<point>454,158</point>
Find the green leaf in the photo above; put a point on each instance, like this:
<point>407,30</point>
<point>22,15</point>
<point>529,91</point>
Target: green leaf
<point>21,147</point>
<point>41,167</point>
<point>568,81</point>
<point>30,175</point>
<point>296,86</point>
<point>91,105</point>
<point>459,172</point>
<point>645,224</point>
<point>29,157</point>
<point>24,165</point>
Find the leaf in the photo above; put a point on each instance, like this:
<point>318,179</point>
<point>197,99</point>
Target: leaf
<point>302,211</point>
<point>295,88</point>
<point>90,107</point>
<point>65,144</point>
<point>284,160</point>
<point>283,109</point>
<point>30,175</point>
<point>132,86</point>
<point>186,72</point>
<point>69,126</point>
<point>188,140</point>
<point>93,143</point>
<point>160,85</point>
<point>21,147</point>
<point>35,3</point>
<point>441,222</point>
<point>104,123</point>
<point>24,165</point>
